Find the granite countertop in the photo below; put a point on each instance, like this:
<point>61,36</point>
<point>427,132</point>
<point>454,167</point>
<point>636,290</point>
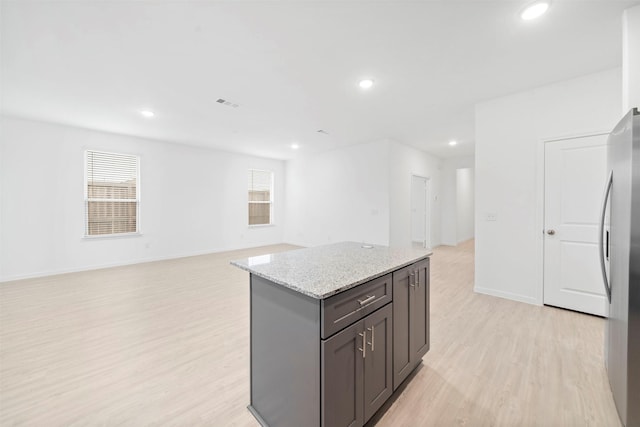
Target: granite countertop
<point>322,271</point>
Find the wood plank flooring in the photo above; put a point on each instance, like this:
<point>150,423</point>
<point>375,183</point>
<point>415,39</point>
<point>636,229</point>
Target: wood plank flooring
<point>167,343</point>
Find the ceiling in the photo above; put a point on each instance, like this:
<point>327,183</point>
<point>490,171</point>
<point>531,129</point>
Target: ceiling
<point>292,67</point>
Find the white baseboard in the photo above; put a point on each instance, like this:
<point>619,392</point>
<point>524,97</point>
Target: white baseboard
<point>454,244</point>
<point>506,295</point>
<point>466,240</point>
<point>123,263</point>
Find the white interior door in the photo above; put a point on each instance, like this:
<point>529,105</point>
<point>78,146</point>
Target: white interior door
<point>417,209</point>
<point>427,213</point>
<point>575,174</point>
<point>420,211</point>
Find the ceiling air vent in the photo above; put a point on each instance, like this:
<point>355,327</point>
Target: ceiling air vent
<point>227,103</point>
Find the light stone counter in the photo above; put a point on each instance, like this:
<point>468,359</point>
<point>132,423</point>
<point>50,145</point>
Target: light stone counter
<point>322,271</point>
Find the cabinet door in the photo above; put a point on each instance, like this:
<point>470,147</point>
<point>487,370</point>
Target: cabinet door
<point>342,378</point>
<point>402,293</point>
<point>378,377</point>
<point>419,309</point>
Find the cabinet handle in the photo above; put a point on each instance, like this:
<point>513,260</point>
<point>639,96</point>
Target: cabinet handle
<point>373,337</point>
<point>369,298</point>
<point>364,344</point>
<point>417,278</point>
<point>412,280</point>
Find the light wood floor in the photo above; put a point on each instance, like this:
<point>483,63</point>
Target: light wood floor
<point>167,343</point>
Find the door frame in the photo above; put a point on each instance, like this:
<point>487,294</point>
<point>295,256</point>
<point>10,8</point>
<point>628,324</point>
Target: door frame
<point>540,187</point>
<point>427,208</point>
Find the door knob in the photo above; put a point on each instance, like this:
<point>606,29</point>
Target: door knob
<point>551,232</point>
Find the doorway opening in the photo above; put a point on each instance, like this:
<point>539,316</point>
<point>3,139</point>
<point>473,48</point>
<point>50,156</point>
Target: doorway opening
<point>420,211</point>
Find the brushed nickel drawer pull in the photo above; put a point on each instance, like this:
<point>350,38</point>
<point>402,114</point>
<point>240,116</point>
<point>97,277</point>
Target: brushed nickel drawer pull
<point>373,337</point>
<point>364,344</point>
<point>369,298</point>
<point>412,280</point>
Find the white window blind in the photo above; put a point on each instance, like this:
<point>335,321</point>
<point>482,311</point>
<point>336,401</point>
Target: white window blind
<point>260,197</point>
<point>111,193</point>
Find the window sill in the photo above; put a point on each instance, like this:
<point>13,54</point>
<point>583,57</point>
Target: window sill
<point>112,236</point>
<point>261,225</point>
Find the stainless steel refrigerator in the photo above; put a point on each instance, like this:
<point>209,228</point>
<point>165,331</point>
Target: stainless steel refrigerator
<point>620,262</point>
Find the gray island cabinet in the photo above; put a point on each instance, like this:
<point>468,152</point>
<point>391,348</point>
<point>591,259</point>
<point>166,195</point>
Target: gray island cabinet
<point>335,329</point>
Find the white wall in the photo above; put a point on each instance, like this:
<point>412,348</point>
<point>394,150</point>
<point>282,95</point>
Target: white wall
<point>508,135</point>
<point>193,200</point>
<point>465,205</point>
<point>339,195</point>
<point>360,193</point>
<point>405,161</point>
<point>631,58</point>
<point>2,185</point>
<point>449,200</point>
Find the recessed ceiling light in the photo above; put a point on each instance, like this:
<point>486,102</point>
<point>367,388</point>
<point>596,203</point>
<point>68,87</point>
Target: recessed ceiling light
<point>534,10</point>
<point>147,113</point>
<point>295,146</point>
<point>366,83</point>
<point>452,143</point>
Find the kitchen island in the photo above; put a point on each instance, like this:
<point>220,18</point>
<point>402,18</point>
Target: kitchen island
<point>335,329</point>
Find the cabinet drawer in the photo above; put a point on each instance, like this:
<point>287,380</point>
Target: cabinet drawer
<point>341,310</point>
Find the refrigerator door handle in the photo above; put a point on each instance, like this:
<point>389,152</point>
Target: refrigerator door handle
<point>607,194</point>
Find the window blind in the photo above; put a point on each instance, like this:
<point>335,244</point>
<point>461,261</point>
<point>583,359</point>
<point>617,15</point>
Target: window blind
<point>260,197</point>
<point>111,193</point>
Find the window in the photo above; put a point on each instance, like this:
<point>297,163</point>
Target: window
<point>112,193</point>
<point>260,197</point>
